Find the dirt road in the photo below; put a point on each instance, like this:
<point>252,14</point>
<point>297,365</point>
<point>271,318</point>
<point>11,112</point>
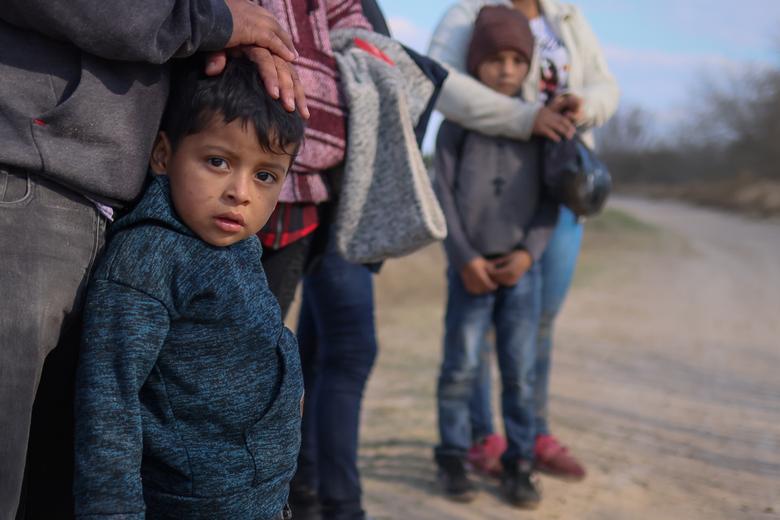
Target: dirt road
<point>666,377</point>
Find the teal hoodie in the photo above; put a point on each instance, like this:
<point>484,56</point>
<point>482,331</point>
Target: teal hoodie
<point>189,385</point>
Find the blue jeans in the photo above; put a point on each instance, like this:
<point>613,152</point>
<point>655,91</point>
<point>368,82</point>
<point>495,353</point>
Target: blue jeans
<point>514,312</point>
<point>337,341</point>
<point>557,269</point>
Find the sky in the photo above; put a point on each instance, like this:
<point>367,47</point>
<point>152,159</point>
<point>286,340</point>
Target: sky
<point>661,51</point>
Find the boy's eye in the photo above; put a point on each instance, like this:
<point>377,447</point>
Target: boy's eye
<point>217,162</point>
<point>265,177</point>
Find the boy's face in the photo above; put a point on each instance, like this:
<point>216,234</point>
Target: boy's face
<point>504,72</point>
<point>224,185</point>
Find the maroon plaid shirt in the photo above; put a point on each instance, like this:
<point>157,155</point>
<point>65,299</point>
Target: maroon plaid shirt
<point>309,22</point>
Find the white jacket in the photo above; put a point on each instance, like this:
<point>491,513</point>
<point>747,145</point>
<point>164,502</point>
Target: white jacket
<point>473,105</point>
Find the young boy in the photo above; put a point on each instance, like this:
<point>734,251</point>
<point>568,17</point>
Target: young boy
<point>498,223</point>
<point>189,387</point>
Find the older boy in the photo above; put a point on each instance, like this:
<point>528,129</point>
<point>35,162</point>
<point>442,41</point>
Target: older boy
<point>189,386</point>
<point>499,223</point>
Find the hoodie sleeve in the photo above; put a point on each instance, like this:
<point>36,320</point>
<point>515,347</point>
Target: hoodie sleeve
<point>541,228</point>
<point>142,30</point>
<point>465,100</point>
<point>124,330</point>
<point>448,144</point>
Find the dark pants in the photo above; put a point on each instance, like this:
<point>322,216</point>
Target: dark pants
<point>49,238</point>
<point>338,346</point>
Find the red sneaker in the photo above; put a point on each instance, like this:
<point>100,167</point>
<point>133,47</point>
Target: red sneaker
<point>485,456</point>
<point>554,459</point>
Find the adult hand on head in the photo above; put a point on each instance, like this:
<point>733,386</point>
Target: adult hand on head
<point>552,125</point>
<point>258,36</point>
<point>476,277</point>
<point>568,105</point>
<point>508,269</point>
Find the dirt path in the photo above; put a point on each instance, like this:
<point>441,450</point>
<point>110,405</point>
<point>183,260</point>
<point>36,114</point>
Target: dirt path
<point>666,377</point>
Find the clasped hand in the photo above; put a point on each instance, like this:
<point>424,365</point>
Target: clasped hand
<point>481,276</point>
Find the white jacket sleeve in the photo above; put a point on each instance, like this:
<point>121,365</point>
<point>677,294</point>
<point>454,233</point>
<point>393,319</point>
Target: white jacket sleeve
<point>599,90</point>
<point>463,99</point>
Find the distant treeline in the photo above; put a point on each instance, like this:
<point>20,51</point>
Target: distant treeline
<point>729,130</point>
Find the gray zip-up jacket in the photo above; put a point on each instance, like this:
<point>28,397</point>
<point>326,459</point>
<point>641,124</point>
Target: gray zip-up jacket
<point>83,85</point>
<point>490,189</point>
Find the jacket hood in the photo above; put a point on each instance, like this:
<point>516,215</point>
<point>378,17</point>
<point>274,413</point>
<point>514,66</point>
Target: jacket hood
<point>154,208</point>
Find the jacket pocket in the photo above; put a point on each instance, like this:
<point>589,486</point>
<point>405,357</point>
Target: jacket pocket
<point>16,189</point>
<point>274,440</point>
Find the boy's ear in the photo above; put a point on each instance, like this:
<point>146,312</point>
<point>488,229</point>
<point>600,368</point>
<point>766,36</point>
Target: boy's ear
<point>161,154</point>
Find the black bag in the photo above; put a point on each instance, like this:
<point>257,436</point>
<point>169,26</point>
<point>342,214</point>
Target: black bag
<point>574,176</point>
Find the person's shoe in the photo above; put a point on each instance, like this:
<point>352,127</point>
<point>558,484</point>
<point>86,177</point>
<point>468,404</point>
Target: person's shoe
<point>454,478</point>
<point>554,459</point>
<point>485,455</point>
<point>519,486</point>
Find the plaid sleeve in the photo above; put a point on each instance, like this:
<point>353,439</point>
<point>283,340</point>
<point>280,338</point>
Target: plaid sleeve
<point>288,223</point>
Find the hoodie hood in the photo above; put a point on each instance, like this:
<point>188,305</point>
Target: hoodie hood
<point>155,208</point>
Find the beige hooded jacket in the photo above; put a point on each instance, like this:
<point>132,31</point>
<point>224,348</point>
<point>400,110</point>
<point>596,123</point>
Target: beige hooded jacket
<point>475,106</point>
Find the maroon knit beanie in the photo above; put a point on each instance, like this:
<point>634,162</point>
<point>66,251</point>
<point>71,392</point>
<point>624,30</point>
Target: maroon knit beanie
<point>499,28</point>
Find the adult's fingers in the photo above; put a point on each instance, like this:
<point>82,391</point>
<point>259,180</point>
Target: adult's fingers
<point>558,104</point>
<point>299,94</point>
<point>280,79</point>
<point>549,133</point>
<point>215,63</point>
<point>275,40</point>
<point>254,25</point>
<point>290,87</point>
<point>266,66</point>
<point>562,126</point>
<point>286,90</point>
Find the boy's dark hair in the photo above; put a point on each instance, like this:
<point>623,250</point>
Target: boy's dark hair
<point>237,93</point>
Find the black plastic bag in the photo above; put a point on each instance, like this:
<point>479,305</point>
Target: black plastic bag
<point>574,176</point>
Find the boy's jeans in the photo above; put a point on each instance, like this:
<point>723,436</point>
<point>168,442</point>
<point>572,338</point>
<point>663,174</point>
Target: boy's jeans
<point>557,269</point>
<point>514,311</point>
<point>49,238</point>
